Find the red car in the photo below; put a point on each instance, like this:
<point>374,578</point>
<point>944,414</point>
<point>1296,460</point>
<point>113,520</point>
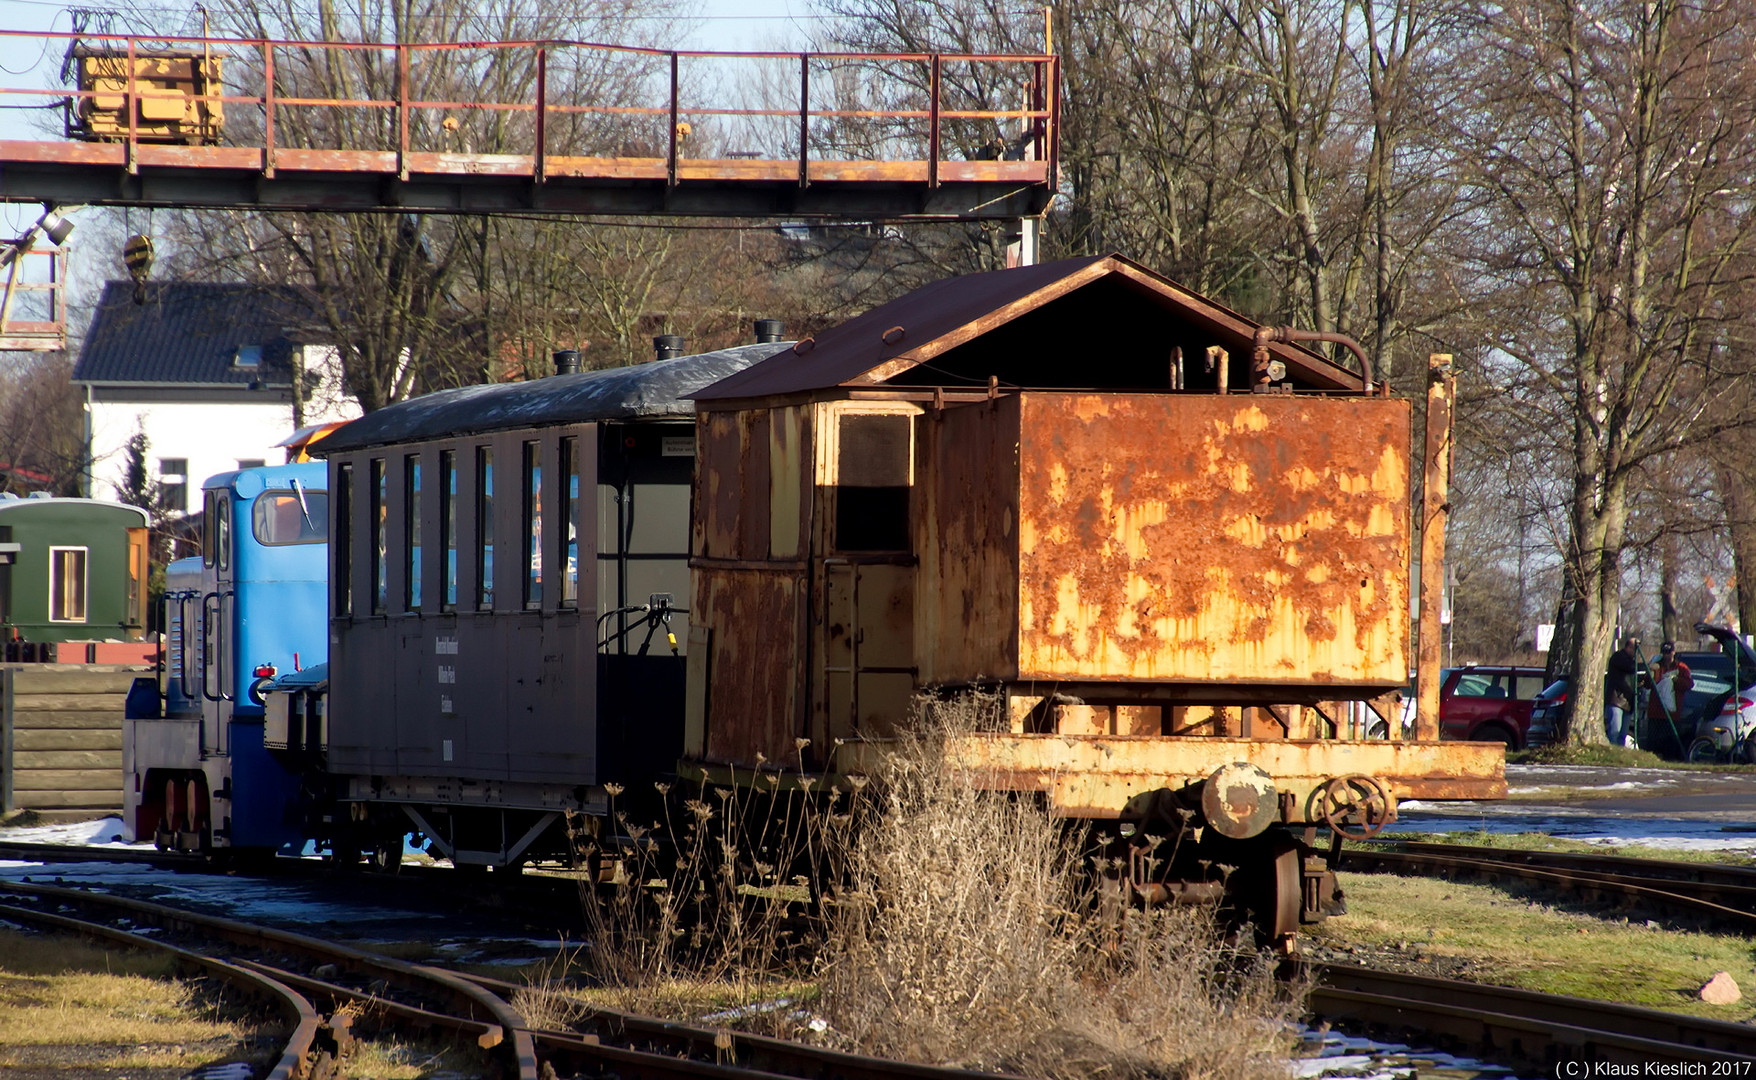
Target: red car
<point>1488,703</point>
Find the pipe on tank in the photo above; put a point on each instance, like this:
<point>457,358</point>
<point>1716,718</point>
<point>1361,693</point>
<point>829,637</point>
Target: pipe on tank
<point>1266,335</point>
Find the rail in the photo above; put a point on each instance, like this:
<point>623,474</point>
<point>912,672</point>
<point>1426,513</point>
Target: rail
<point>567,114</point>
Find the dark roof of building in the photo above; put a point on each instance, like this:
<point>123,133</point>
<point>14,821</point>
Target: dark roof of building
<point>658,388</point>
<point>894,338</point>
<point>189,333</point>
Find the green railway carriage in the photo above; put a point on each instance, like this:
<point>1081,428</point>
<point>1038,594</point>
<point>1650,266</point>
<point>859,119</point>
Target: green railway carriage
<point>71,569</point>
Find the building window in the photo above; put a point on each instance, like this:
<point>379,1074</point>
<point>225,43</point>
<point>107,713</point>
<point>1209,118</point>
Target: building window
<point>872,482</point>
<point>67,584</point>
<point>570,522</point>
<point>533,525</point>
<point>380,511</point>
<point>250,463</point>
<point>484,528</point>
<point>411,528</point>
<point>247,356</point>
<point>174,485</point>
<point>448,522</point>
<point>344,540</point>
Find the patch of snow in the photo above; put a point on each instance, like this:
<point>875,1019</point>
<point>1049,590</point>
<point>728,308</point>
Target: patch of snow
<point>105,831</point>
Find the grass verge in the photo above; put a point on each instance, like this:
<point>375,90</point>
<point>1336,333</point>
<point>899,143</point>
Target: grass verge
<point>71,1009</point>
<point>1545,842</point>
<point>1616,757</point>
<point>1511,937</point>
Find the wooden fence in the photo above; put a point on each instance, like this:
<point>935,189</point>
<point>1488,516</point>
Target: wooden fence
<point>61,737</point>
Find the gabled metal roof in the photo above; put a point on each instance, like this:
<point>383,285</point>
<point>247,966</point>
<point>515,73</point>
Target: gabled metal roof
<point>658,388</point>
<point>896,337</point>
<point>188,333</point>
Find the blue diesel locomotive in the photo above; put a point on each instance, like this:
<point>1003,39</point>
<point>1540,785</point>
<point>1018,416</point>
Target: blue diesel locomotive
<point>197,776</point>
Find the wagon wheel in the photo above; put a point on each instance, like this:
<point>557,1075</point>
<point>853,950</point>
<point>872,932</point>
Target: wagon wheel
<point>1356,807</point>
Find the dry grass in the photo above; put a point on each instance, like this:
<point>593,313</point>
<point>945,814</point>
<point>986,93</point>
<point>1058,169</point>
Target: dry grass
<point>977,935</point>
<point>955,926</point>
<point>65,1000</point>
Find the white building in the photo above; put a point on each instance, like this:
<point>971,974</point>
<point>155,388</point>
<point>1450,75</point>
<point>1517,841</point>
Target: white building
<point>206,372</point>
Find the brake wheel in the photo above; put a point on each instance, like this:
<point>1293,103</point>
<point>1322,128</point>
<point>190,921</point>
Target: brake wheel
<point>1356,807</point>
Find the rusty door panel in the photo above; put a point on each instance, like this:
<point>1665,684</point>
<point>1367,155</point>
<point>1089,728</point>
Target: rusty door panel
<point>753,469</point>
<point>1214,538</point>
<point>786,479</point>
<point>753,681</point>
<point>718,486</point>
<point>967,612</point>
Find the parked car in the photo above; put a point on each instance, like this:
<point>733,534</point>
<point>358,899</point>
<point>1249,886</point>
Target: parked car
<point>1488,703</point>
<point>1714,673</point>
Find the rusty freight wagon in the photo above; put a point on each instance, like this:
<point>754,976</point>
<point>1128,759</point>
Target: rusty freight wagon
<point>1180,559</point>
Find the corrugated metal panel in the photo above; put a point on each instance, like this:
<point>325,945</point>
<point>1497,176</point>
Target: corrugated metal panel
<point>1248,538</point>
<point>892,337</point>
<point>660,388</point>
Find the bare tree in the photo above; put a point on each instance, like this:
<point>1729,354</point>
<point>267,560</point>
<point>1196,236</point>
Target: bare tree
<point>1610,143</point>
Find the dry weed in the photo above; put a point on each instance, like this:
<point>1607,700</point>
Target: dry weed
<point>975,936</point>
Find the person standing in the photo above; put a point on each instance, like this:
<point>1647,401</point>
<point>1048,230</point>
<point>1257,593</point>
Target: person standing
<point>1619,688</point>
<point>1671,679</point>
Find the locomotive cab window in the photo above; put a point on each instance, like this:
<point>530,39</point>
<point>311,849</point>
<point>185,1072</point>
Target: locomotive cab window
<point>873,468</point>
<point>290,516</point>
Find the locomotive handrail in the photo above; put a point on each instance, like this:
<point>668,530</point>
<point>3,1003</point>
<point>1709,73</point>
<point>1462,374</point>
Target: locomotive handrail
<point>183,596</point>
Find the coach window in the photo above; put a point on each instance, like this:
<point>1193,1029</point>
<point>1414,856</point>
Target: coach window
<point>569,524</point>
<point>872,482</point>
<point>533,526</point>
<point>344,540</point>
<point>448,523</point>
<point>67,584</point>
<point>411,529</point>
<point>380,507</point>
<point>484,528</point>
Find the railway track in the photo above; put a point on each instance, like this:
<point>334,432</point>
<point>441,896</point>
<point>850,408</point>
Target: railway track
<point>296,973</point>
<point>1524,1029</point>
<point>1723,894</point>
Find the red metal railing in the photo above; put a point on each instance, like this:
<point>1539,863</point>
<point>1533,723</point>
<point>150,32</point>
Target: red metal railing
<point>907,116</point>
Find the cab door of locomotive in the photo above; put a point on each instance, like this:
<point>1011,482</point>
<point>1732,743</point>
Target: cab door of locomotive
<point>218,606</point>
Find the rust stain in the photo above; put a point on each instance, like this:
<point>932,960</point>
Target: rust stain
<point>1214,538</point>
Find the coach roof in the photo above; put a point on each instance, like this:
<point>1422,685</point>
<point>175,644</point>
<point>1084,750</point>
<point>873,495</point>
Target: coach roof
<point>654,389</point>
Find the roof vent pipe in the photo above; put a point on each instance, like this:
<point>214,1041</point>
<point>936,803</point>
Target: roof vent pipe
<point>566,361</point>
<point>769,331</point>
<point>667,346</point>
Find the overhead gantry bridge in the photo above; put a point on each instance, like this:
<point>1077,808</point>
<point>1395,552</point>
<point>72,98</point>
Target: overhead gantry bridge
<point>554,127</point>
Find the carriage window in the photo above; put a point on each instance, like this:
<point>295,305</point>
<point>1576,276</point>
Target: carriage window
<point>67,584</point>
<point>484,528</point>
<point>343,551</point>
<point>872,483</point>
<point>448,522</point>
<point>411,530</point>
<point>291,516</point>
<point>533,525</point>
<point>380,508</point>
<point>569,522</point>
